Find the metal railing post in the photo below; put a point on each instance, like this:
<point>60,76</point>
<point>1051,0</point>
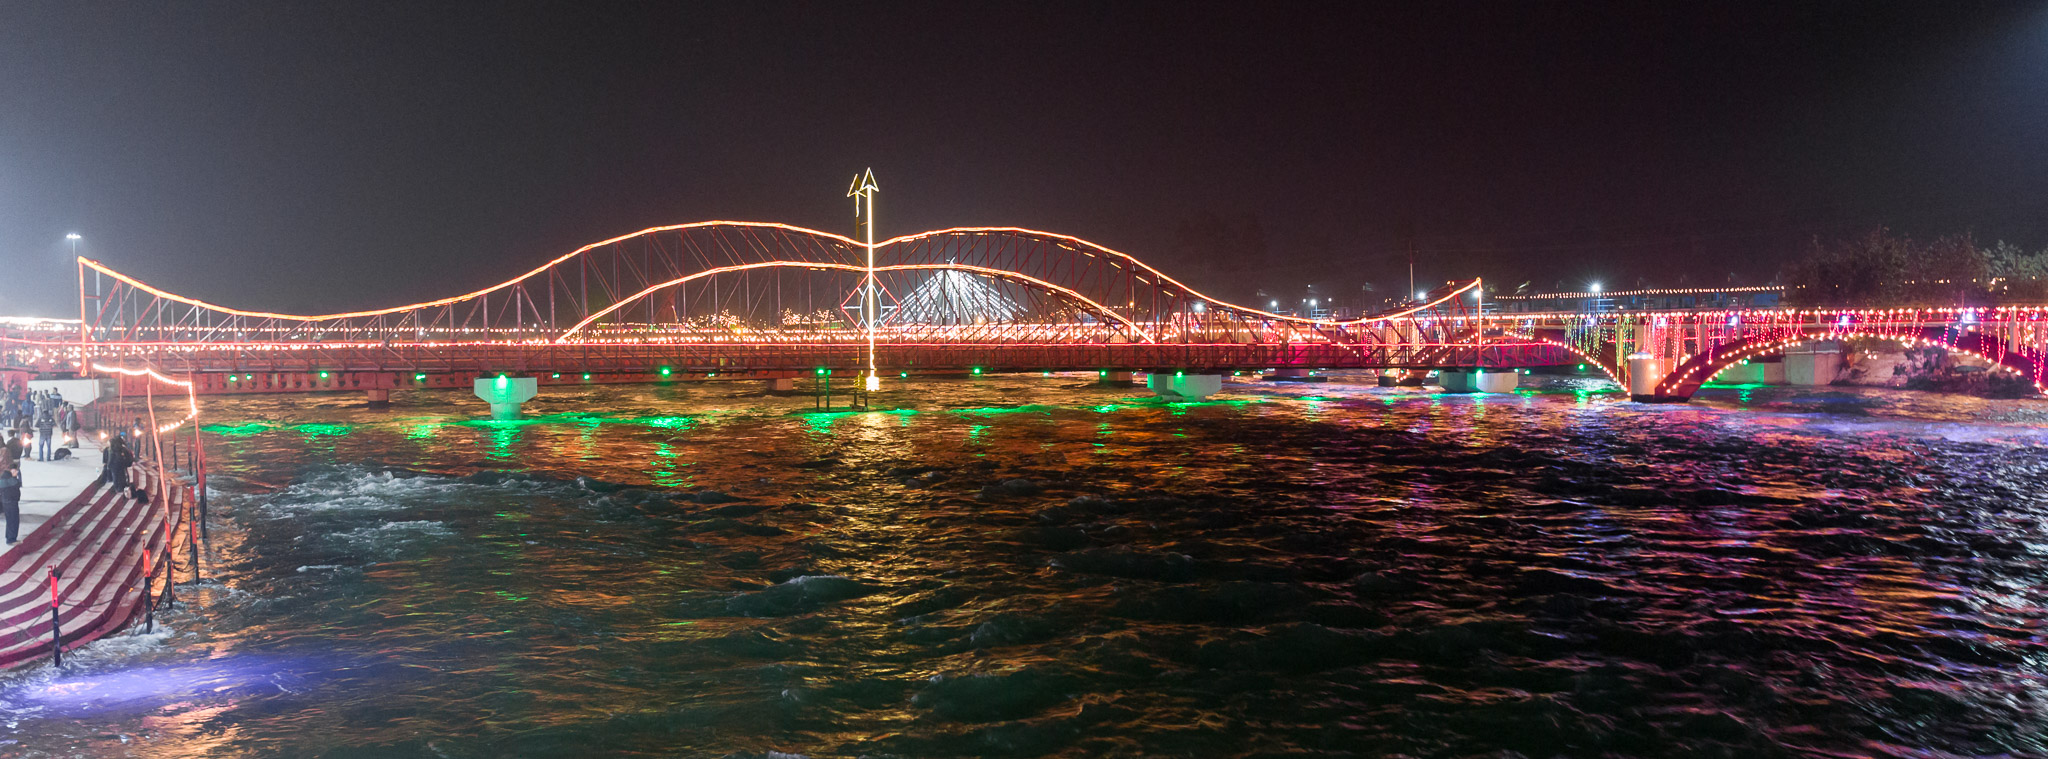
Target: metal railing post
<point>192,534</point>
<point>148,602</point>
<point>56,635</point>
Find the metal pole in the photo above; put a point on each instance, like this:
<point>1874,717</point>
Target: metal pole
<point>84,358</point>
<point>56,635</point>
<point>148,603</point>
<point>192,534</point>
<point>199,449</point>
<point>1479,317</point>
<point>864,189</point>
<point>162,492</point>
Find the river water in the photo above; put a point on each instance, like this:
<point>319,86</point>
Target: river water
<point>1038,566</point>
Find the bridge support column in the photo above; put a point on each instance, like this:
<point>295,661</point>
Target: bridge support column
<point>1478,380</point>
<point>506,393</point>
<point>1645,372</point>
<point>1184,387</point>
<point>1815,363</point>
<point>1116,378</point>
<point>1495,381</point>
<point>379,398</point>
<point>782,385</point>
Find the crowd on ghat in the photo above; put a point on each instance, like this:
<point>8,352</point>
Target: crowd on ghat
<point>41,423</point>
<point>40,416</point>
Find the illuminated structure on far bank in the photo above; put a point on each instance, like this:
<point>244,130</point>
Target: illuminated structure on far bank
<point>732,300</point>
<point>953,297</point>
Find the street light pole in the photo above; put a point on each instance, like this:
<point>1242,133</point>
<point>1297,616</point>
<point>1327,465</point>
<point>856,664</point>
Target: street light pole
<point>84,360</point>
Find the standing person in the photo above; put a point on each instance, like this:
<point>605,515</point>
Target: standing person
<point>67,420</point>
<point>46,428</point>
<point>118,458</point>
<point>10,489</point>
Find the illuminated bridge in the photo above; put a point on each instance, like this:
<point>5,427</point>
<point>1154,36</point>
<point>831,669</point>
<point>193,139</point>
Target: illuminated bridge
<point>726,299</point>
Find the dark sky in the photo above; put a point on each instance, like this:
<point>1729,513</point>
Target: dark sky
<point>316,156</point>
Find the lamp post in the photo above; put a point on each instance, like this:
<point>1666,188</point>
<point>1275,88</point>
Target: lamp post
<point>84,360</point>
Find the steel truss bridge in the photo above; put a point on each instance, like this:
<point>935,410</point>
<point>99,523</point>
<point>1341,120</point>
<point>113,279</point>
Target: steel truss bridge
<point>728,299</point>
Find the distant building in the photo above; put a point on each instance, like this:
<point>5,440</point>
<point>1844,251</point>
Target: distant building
<point>1653,299</point>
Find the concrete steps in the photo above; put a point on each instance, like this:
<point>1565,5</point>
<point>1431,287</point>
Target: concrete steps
<point>96,544</point>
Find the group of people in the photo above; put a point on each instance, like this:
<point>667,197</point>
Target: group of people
<point>43,422</point>
<point>41,416</point>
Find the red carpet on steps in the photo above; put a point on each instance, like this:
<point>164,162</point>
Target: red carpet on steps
<point>96,544</point>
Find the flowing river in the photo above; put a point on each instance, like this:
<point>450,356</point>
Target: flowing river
<point>1039,566</point>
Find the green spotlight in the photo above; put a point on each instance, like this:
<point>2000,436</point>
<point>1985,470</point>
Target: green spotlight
<point>557,375</point>
<point>822,371</point>
<point>977,370</point>
<point>665,371</point>
<point>586,376</point>
<point>420,377</point>
<point>323,375</point>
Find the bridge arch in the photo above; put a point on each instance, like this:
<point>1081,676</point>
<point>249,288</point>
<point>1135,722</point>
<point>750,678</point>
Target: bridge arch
<point>1557,339</point>
<point>1129,329</point>
<point>1686,379</point>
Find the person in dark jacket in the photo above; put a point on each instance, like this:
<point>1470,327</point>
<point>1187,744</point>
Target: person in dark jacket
<point>10,489</point>
<point>46,430</point>
<point>118,457</point>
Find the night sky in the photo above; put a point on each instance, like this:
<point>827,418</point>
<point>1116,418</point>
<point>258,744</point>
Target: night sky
<point>317,156</point>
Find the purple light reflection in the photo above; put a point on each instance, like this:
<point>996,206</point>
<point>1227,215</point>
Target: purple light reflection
<point>86,693</point>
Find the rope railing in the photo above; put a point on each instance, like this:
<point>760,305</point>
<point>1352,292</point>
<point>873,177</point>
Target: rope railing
<point>147,518</point>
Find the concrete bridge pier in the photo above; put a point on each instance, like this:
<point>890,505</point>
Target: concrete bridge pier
<point>379,398</point>
<point>1813,363</point>
<point>1116,378</point>
<point>782,385</point>
<point>1180,386</point>
<point>1477,380</point>
<point>506,393</point>
<point>1645,372</point>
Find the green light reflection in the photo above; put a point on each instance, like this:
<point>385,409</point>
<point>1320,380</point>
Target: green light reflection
<point>313,430</point>
<point>240,430</point>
